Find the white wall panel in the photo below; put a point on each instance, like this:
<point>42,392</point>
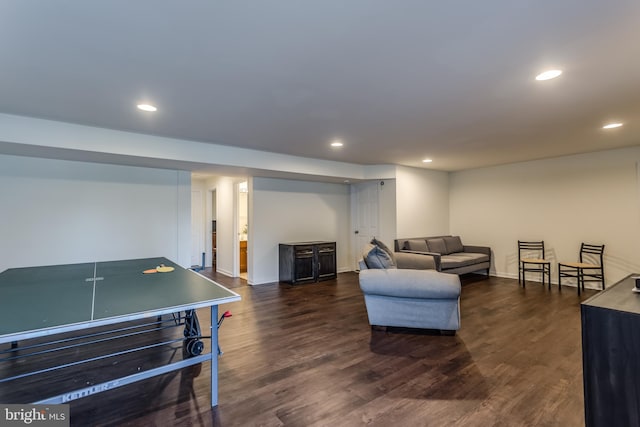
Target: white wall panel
<point>564,201</point>
<point>422,202</point>
<point>286,211</point>
<point>56,211</point>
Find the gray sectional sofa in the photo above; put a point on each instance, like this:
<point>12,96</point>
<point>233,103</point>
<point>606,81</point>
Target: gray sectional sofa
<point>448,252</point>
<point>402,287</point>
<point>404,290</point>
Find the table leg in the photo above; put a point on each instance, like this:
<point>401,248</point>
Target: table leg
<point>214,356</point>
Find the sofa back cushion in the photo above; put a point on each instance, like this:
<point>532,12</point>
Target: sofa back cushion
<point>384,247</point>
<point>416,245</point>
<point>438,246</point>
<point>453,244</point>
<point>376,257</point>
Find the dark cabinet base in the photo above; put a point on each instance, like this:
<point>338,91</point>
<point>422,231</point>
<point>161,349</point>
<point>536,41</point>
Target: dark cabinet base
<point>304,262</point>
<point>611,356</point>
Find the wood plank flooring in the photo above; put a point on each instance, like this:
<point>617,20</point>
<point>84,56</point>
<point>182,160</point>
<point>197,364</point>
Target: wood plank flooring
<point>305,355</point>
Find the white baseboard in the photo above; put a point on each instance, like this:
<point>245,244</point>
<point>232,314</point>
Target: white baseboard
<point>538,280</point>
<point>225,272</point>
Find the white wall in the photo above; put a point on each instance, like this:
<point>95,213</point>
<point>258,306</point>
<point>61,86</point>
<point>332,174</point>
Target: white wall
<point>288,211</point>
<point>590,198</point>
<point>422,202</point>
<point>56,211</point>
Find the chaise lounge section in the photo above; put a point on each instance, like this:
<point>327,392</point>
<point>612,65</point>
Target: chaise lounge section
<point>448,252</point>
<point>424,299</point>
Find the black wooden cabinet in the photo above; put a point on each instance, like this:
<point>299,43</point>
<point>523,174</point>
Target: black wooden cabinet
<point>304,262</point>
<point>611,356</point>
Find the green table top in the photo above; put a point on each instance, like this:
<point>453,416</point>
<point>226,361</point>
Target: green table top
<point>37,301</point>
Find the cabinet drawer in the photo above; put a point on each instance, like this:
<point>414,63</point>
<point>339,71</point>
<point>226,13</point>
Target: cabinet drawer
<point>304,251</point>
<point>326,249</point>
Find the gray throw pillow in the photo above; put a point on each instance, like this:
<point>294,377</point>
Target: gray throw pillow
<point>417,245</point>
<point>384,247</point>
<point>376,257</point>
<point>438,246</point>
<point>453,244</point>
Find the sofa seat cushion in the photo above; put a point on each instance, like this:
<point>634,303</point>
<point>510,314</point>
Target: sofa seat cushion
<point>462,259</point>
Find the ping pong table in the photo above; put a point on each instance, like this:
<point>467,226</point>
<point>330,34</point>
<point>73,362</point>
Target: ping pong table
<point>45,303</point>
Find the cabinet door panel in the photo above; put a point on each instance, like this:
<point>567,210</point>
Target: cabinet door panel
<point>304,268</point>
<point>326,261</point>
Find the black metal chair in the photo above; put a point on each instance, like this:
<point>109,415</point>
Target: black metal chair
<point>531,256</point>
<point>589,269</point>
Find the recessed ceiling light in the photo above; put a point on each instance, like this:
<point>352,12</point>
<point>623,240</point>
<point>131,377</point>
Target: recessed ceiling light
<point>427,161</point>
<point>548,75</point>
<point>147,107</point>
<point>337,143</point>
<point>612,126</point>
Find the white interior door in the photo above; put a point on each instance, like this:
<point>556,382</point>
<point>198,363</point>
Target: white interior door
<point>197,227</point>
<point>364,202</point>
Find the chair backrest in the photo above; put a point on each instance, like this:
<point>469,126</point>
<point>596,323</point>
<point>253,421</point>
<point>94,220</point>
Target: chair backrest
<point>589,253</point>
<point>530,249</point>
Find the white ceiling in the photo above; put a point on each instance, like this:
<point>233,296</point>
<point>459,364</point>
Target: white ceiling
<point>397,81</point>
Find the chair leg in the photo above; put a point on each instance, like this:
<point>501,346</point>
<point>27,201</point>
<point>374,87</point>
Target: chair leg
<point>519,273</point>
<point>559,279</point>
<point>548,267</point>
<point>580,280</point>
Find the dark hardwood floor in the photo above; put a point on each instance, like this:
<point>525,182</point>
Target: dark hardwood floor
<point>305,355</point>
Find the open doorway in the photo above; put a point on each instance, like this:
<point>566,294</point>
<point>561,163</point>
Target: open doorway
<point>243,226</point>
<point>214,243</point>
<point>223,227</point>
<point>197,229</point>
